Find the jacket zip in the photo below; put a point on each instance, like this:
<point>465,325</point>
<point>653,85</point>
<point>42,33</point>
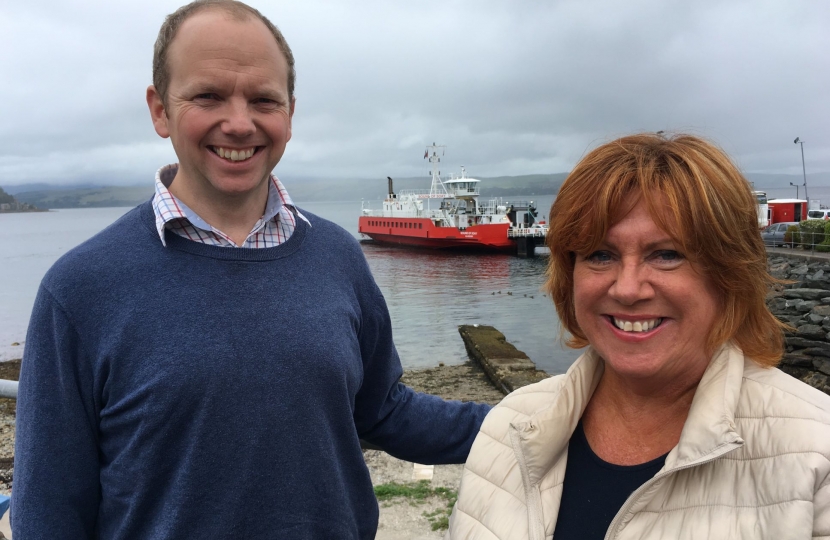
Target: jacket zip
<point>612,530</point>
<point>533,499</point>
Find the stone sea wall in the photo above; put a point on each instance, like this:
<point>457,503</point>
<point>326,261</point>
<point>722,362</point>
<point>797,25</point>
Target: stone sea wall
<point>805,305</point>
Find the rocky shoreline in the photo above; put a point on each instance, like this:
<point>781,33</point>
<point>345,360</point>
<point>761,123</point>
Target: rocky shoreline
<point>804,304</point>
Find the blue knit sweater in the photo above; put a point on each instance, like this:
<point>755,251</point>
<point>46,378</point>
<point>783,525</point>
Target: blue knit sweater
<point>200,392</point>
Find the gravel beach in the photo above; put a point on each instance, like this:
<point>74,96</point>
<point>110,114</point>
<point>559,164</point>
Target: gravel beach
<point>8,370</point>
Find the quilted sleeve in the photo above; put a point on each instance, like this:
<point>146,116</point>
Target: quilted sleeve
<point>821,511</point>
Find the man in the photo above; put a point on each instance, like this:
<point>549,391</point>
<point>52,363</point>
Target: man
<point>206,366</point>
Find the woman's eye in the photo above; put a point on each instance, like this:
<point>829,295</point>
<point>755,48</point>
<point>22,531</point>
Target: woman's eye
<point>599,257</point>
<point>667,256</point>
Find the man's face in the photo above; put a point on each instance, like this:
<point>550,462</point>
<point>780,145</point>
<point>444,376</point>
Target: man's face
<point>228,111</point>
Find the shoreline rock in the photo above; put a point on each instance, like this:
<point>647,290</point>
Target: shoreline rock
<point>804,304</point>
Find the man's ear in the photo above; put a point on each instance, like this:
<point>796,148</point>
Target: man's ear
<point>157,112</point>
<point>291,116</point>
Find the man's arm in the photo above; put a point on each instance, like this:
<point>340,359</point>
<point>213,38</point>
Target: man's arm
<point>407,424</point>
<point>56,489</point>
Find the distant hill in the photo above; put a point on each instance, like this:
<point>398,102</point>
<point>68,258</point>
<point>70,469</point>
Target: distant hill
<point>9,204</point>
<point>95,197</point>
<point>14,189</point>
<point>46,196</point>
<point>317,189</point>
<point>5,198</point>
<point>356,189</point>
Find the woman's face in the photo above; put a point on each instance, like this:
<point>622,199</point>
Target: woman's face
<point>642,305</point>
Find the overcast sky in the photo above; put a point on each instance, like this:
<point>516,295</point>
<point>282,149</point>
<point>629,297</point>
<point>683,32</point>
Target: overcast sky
<point>511,87</point>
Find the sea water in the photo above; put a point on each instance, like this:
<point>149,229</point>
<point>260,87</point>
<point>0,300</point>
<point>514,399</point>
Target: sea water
<point>429,293</point>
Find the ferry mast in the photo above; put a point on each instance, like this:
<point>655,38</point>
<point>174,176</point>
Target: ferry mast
<point>437,190</point>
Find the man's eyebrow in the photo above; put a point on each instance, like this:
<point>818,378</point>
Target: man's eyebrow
<point>267,93</point>
<point>204,88</point>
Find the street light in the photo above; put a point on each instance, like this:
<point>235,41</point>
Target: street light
<point>796,189</point>
<point>803,169</point>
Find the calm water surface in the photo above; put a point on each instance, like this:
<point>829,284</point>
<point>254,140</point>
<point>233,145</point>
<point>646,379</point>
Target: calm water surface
<point>428,293</point>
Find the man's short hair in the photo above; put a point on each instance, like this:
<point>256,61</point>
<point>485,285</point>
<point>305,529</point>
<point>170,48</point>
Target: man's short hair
<point>237,10</point>
<point>695,194</point>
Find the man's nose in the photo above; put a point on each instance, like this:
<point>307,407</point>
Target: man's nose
<point>238,121</point>
<point>632,283</point>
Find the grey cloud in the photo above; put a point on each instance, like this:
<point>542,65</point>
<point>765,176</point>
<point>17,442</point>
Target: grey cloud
<point>511,88</point>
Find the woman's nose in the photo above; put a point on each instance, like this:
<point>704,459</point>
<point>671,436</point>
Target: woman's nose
<point>632,284</point>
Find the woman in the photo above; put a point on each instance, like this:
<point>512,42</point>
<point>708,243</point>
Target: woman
<point>674,423</point>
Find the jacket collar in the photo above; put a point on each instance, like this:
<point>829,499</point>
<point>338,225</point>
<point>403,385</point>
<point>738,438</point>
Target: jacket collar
<point>709,426</point>
<point>711,421</point>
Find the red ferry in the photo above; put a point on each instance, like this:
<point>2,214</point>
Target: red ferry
<point>460,220</point>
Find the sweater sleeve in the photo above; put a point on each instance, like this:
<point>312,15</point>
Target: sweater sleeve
<point>821,511</point>
<point>408,425</point>
<point>56,475</point>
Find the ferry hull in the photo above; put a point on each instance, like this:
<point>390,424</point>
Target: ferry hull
<point>421,232</point>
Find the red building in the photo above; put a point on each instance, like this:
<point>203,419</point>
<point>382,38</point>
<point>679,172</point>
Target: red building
<point>786,210</point>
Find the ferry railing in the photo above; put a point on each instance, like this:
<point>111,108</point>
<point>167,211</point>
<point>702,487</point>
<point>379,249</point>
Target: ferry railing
<point>525,232</point>
<point>423,194</point>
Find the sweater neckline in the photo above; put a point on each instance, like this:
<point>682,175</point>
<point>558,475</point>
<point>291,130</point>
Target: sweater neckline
<point>179,243</point>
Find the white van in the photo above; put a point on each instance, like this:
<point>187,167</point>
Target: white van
<point>824,213</point>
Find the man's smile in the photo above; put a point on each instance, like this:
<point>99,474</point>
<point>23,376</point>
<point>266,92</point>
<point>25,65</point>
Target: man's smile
<point>234,154</point>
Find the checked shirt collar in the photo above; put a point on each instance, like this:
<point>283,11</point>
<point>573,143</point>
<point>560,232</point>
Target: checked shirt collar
<point>274,227</point>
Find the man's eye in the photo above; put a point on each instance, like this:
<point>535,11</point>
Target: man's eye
<point>206,95</point>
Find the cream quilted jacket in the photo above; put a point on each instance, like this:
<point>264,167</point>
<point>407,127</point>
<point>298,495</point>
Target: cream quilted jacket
<point>753,461</point>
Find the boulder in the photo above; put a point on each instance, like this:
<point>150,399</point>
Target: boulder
<point>818,380</point>
<point>815,351</point>
<point>806,305</point>
<point>805,294</point>
<point>779,304</point>
<point>800,270</point>
<point>801,343</point>
<point>797,360</point>
<point>822,365</point>
<point>812,331</point>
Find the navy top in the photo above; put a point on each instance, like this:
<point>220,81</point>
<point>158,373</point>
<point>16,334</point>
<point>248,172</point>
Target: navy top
<point>197,391</point>
<point>595,490</point>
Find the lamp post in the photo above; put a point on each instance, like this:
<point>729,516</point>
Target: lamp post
<point>803,169</point>
<point>796,189</point>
